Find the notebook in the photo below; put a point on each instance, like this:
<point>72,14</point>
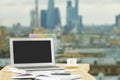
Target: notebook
<point>32,53</point>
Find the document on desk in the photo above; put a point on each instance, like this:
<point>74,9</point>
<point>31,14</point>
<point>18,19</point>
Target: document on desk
<point>23,76</point>
<point>15,70</point>
<point>45,75</point>
<point>60,77</point>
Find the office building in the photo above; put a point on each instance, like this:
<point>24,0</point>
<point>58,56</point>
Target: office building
<point>43,18</point>
<point>72,12</point>
<point>117,22</point>
<point>80,25</point>
<point>68,12</point>
<point>57,17</point>
<point>76,8</point>
<point>49,18</point>
<point>69,3</point>
<point>51,15</point>
<point>72,17</point>
<point>69,15</point>
<point>32,17</point>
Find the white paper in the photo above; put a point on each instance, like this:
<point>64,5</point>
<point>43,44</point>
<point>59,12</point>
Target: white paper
<point>47,78</point>
<point>47,75</point>
<point>15,70</point>
<point>59,77</point>
<point>21,77</point>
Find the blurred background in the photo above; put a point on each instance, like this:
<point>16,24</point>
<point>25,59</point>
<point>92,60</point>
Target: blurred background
<point>88,30</point>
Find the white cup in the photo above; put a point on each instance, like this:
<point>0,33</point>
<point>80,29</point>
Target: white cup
<point>71,61</point>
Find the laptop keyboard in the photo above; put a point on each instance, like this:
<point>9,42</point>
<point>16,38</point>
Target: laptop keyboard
<point>38,67</point>
<point>46,67</point>
<point>41,68</point>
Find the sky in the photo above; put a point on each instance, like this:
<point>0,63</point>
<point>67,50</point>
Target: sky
<point>97,12</point>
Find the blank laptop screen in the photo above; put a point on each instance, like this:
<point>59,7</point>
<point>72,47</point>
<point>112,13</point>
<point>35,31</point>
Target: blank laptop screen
<point>32,51</point>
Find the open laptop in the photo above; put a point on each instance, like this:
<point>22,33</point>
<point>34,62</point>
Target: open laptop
<point>33,53</point>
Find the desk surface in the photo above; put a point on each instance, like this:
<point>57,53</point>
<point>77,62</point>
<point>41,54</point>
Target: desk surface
<point>80,69</point>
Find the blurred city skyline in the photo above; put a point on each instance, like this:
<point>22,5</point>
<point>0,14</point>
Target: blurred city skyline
<point>93,11</point>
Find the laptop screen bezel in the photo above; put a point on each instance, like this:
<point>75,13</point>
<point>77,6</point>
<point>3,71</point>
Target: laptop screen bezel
<point>31,64</point>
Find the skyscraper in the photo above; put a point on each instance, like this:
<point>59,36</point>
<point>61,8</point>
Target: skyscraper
<point>57,17</point>
<point>69,3</point>
<point>36,28</point>
<point>72,12</point>
<point>69,13</point>
<point>73,18</point>
<point>37,24</point>
<point>51,15</point>
<point>76,8</point>
<point>32,15</point>
<point>117,22</point>
<point>80,25</point>
<point>43,18</point>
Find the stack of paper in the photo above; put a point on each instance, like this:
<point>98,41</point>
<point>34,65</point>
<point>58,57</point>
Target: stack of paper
<point>45,75</point>
<point>23,77</point>
<point>59,77</point>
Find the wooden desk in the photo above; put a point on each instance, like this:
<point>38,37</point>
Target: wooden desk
<point>81,69</point>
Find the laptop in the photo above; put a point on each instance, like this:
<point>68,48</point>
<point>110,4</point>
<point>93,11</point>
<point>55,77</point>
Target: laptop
<point>33,54</point>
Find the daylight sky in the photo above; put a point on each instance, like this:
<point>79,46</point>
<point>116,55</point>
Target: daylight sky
<point>93,11</point>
